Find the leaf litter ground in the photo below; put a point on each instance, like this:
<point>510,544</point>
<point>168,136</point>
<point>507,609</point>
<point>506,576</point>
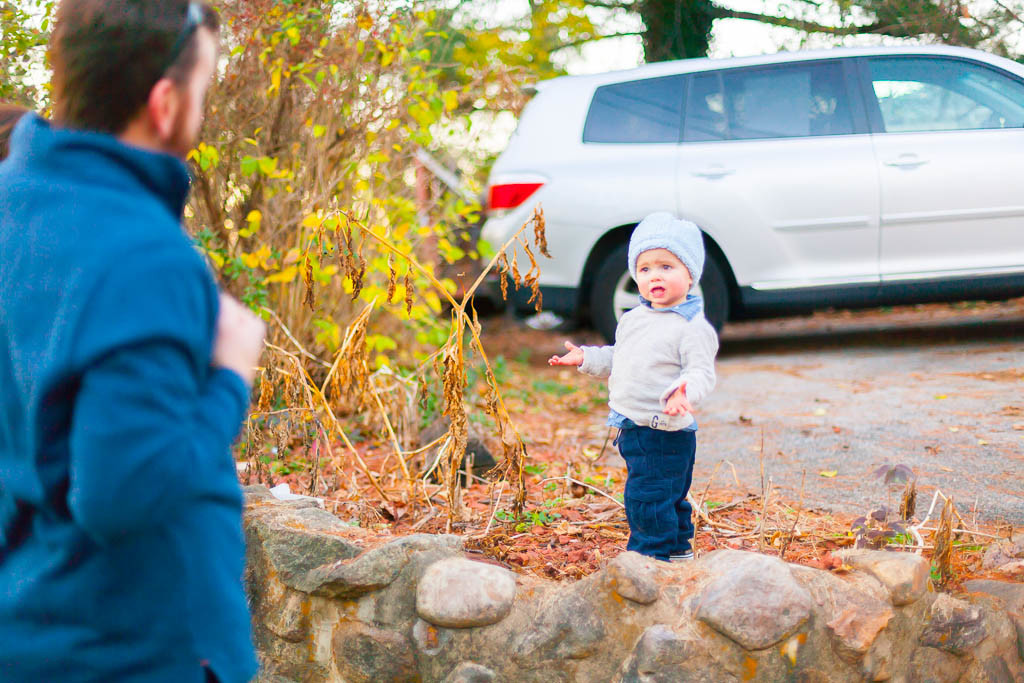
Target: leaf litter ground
<point>574,520</point>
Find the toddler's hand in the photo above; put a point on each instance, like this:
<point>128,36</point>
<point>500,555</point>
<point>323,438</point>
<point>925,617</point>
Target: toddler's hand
<point>677,403</point>
<point>574,357</point>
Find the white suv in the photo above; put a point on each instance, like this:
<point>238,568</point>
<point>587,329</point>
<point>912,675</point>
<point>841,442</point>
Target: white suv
<point>832,178</point>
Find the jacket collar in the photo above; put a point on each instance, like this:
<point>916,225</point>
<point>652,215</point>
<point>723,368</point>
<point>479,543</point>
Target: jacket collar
<point>99,158</point>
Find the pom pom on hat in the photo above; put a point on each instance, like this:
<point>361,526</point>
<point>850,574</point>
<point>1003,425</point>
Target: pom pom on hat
<point>662,230</point>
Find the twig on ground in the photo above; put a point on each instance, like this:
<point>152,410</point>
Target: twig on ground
<point>800,507</point>
<point>494,509</point>
<point>593,488</point>
<point>605,444</point>
<point>391,431</point>
<point>426,518</point>
<point>964,531</point>
<point>704,495</point>
<point>732,504</point>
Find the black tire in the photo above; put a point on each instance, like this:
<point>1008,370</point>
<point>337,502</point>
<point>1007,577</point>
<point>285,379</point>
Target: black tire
<point>604,317</point>
<point>602,294</point>
<point>715,290</point>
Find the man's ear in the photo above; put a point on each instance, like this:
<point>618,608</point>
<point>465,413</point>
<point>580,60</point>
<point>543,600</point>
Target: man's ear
<point>162,108</point>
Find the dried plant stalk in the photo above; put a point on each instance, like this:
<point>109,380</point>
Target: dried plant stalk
<point>311,416</point>
<point>908,503</point>
<point>392,280</point>
<point>942,559</point>
<point>309,299</point>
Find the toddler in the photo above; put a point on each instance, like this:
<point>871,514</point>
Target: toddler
<point>661,364</point>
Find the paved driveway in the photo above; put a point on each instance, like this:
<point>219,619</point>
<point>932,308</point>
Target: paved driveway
<point>938,388</point>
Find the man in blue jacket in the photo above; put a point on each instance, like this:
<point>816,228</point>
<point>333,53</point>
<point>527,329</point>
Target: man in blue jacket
<point>124,374</point>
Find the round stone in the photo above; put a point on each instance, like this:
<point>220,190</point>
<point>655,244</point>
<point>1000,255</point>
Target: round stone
<point>460,593</point>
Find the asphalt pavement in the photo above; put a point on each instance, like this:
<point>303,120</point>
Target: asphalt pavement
<point>835,396</point>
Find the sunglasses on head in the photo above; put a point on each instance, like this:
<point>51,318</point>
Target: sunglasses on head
<point>193,20</point>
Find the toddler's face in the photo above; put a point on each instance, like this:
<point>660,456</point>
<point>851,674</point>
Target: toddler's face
<point>662,278</point>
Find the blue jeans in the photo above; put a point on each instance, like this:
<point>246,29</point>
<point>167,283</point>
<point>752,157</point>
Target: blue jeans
<point>659,467</point>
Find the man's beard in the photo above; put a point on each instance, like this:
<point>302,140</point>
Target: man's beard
<point>182,140</point>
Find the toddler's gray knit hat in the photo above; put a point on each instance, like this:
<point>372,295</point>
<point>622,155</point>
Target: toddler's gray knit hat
<point>662,230</point>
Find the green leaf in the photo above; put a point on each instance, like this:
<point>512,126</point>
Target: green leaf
<point>486,250</point>
<point>249,165</point>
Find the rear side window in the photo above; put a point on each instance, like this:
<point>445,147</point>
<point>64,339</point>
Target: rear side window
<point>798,100</point>
<point>926,94</point>
<point>647,111</point>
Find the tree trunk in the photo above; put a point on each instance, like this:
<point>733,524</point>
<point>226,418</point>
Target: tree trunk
<point>675,29</point>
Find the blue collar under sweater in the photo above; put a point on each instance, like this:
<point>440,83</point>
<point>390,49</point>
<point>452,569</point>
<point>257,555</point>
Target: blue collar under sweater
<point>688,307</point>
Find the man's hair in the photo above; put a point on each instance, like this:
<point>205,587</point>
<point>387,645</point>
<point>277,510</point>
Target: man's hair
<point>10,114</point>
<point>108,54</point>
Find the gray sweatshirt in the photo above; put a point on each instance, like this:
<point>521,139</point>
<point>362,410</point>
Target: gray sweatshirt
<point>655,352</point>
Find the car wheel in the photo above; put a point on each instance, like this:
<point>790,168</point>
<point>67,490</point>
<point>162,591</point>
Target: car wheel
<point>610,295</point>
<point>615,292</point>
<point>715,290</point>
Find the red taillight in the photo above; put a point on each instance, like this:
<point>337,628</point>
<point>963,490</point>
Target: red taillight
<point>510,195</point>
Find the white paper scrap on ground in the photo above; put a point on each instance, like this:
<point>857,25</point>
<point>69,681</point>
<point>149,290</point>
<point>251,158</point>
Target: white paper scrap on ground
<point>284,492</point>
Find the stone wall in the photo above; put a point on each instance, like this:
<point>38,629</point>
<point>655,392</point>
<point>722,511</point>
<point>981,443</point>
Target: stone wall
<point>419,609</point>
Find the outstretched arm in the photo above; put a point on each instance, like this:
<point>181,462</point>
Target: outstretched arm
<point>574,357</point>
<point>590,360</point>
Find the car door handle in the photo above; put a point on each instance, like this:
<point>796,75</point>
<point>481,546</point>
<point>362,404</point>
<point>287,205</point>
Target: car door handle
<point>713,172</point>
<point>906,161</point>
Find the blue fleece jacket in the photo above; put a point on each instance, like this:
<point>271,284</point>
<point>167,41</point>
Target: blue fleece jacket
<point>121,550</point>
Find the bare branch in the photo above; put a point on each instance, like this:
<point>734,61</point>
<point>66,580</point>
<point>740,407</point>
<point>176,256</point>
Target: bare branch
<point>805,25</point>
<point>594,39</point>
<point>610,4</point>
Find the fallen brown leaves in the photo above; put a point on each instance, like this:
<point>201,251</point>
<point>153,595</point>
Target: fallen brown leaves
<point>573,521</point>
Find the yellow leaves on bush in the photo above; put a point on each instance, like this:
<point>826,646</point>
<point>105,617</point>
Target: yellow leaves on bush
<point>324,274</point>
<point>451,100</point>
<point>449,251</point>
<point>328,170</point>
<point>433,301</point>
<point>275,81</point>
<point>215,257</point>
<point>257,259</point>
<point>285,276</point>
<point>253,219</point>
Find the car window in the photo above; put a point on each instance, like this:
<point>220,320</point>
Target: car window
<point>646,111</point>
<point>798,100</point>
<point>927,94</point>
